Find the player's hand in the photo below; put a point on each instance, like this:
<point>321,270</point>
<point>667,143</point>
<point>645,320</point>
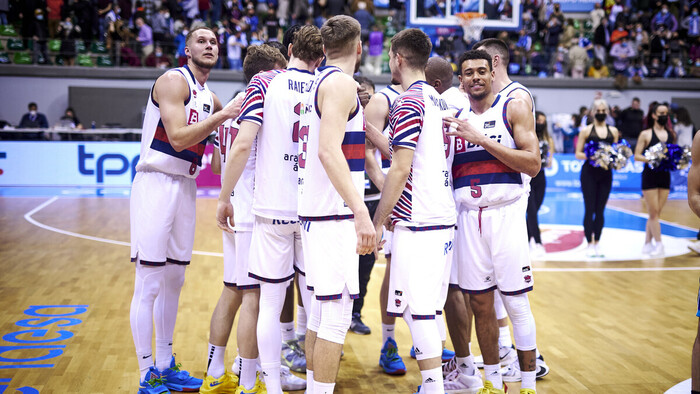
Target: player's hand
<point>379,230</point>
<point>463,129</point>
<point>233,108</point>
<point>363,95</point>
<point>224,216</point>
<point>366,234</point>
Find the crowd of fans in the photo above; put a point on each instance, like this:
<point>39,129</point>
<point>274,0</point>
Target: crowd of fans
<point>633,39</point>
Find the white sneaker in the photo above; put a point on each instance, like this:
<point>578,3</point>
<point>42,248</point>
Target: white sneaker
<point>511,373</point>
<point>598,251</point>
<point>459,383</point>
<point>694,246</point>
<point>658,250</point>
<point>541,250</point>
<point>591,251</point>
<point>291,382</point>
<point>647,248</point>
<point>507,355</point>
<point>542,368</point>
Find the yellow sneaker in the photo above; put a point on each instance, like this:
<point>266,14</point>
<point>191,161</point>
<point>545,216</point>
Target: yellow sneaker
<point>226,384</point>
<point>258,388</point>
<point>527,391</point>
<point>489,389</point>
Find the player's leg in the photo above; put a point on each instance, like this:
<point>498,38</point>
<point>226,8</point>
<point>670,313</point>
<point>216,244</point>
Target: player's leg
<point>695,363</point>
<point>147,284</point>
<point>389,358</point>
<point>336,315</point>
<point>246,336</point>
<point>287,314</point>
<point>486,326</point>
<point>269,335</point>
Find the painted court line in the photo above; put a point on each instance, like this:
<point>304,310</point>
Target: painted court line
<point>30,219</point>
<point>646,216</point>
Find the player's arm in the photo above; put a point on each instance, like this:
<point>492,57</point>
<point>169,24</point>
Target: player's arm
<point>581,142</point>
<point>374,171</point>
<point>216,162</point>
<point>694,176</point>
<point>376,113</point>
<point>642,142</point>
<point>337,98</point>
<point>524,96</point>
<point>170,92</point>
<point>394,184</point>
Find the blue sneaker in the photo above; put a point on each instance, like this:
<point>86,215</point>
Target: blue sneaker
<point>447,354</point>
<point>152,383</point>
<point>390,361</point>
<point>179,380</point>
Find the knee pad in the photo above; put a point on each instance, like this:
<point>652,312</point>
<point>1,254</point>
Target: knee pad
<point>524,331</point>
<point>314,316</point>
<point>336,316</point>
<point>498,305</point>
<point>426,337</point>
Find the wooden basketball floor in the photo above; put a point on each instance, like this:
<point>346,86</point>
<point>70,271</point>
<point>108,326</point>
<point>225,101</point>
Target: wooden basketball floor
<point>601,331</point>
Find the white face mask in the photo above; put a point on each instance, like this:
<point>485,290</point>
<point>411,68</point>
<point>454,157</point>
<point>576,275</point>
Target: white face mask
<point>32,112</point>
<point>159,54</point>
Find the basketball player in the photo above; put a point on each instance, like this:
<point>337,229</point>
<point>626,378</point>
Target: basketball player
<point>336,226</point>
<point>270,112</point>
<point>694,202</point>
<point>239,289</point>
<point>418,196</point>
<point>506,87</point>
<point>497,147</point>
<point>181,112</point>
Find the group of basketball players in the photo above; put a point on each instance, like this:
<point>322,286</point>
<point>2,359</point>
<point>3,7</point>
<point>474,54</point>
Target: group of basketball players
<point>292,151</point>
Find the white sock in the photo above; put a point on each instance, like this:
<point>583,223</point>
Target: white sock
<point>164,353</point>
<point>466,365</point>
<point>270,372</point>
<point>537,352</point>
<point>247,369</point>
<point>301,321</point>
<point>323,388</point>
<point>432,381</point>
<point>287,331</point>
<point>504,337</point>
<point>469,345</point>
<point>528,379</point>
<point>492,373</point>
<point>387,332</point>
<point>215,367</point>
<point>309,381</point>
<point>145,363</point>
<point>165,313</point>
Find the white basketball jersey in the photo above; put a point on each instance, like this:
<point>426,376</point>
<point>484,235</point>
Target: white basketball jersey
<point>416,123</point>
<point>455,99</point>
<point>274,101</point>
<point>481,180</point>
<point>391,95</point>
<point>513,86</point>
<point>242,195</point>
<point>156,152</point>
<point>318,199</point>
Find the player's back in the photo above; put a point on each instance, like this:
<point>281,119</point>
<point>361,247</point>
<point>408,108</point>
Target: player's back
<point>416,123</point>
<point>391,95</point>
<point>157,154</point>
<point>318,199</point>
<point>276,105</point>
<point>480,179</point>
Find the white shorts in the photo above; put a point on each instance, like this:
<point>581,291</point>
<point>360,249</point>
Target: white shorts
<point>492,251</point>
<point>387,236</point>
<point>420,271</point>
<point>236,260</point>
<point>331,261</point>
<point>454,267</point>
<point>274,250</point>
<point>162,213</point>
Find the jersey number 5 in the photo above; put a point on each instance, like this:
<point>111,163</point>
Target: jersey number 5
<point>476,189</point>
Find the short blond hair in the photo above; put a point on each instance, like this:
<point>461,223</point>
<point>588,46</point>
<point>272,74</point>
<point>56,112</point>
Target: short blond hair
<point>340,35</point>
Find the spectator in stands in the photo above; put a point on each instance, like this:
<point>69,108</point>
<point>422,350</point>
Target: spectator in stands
<point>656,70</point>
<point>525,41</point>
<point>553,30</point>
<point>236,42</point>
<point>33,120</point>
<point>38,30</point>
<point>664,18</point>
<point>271,23</point>
<point>578,59</point>
<point>158,59</point>
<point>162,26</point>
<point>694,52</point>
<point>596,15</point>
<point>598,70</point>
<point>68,32</point>
<point>4,10</point>
<point>616,9</point>
<point>190,8</point>
<point>622,54</point>
<point>560,63</point>
<point>250,18</point>
<point>365,18</point>
<point>145,37</point>
<point>204,8</point>
<point>684,127</point>
<point>601,40</point>
<point>53,15</point>
<point>695,69</point>
<point>638,71</point>
<point>336,7</point>
<point>180,47</point>
<point>618,33</point>
<point>85,13</point>
<point>691,24</point>
<point>630,122</point>
<point>675,69</point>
<point>658,44</point>
<point>529,23</point>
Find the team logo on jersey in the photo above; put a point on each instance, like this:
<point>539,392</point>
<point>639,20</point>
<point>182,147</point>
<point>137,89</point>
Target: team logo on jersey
<point>528,278</point>
<point>194,93</point>
<point>194,117</point>
<point>207,108</point>
<point>397,302</point>
<point>489,124</point>
<point>398,293</point>
<point>526,269</point>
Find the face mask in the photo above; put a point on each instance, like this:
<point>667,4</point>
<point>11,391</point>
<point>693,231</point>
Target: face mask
<point>697,63</point>
<point>664,11</point>
<point>662,120</point>
<point>40,17</point>
<point>539,127</point>
<point>32,112</point>
<point>229,4</point>
<point>600,117</point>
<point>639,30</point>
<point>624,44</point>
<point>166,15</point>
<point>159,54</point>
<point>695,13</point>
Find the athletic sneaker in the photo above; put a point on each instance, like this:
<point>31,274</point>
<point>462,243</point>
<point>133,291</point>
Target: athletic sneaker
<point>694,246</point>
<point>459,383</point>
<point>489,389</point>
<point>647,248</point>
<point>507,355</point>
<point>301,340</point>
<point>357,326</point>
<point>511,373</point>
<point>227,383</point>
<point>591,251</point>
<point>152,383</point>
<point>447,354</point>
<point>390,361</point>
<point>527,391</point>
<point>258,388</point>
<point>451,365</point>
<point>179,380</point>
<point>293,356</point>
<point>291,382</point>
<point>658,250</point>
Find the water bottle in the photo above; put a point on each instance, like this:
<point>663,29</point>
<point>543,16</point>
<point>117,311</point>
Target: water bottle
<point>93,125</point>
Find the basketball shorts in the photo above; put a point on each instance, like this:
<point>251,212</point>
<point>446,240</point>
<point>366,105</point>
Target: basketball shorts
<point>274,249</point>
<point>492,251</point>
<point>236,260</point>
<point>420,272</point>
<point>331,261</point>
<point>162,213</point>
<point>387,236</point>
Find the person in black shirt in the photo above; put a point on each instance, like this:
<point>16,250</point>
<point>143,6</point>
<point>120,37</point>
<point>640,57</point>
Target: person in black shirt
<point>630,122</point>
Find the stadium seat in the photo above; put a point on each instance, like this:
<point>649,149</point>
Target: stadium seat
<point>84,60</point>
<point>4,58</point>
<point>104,61</point>
<point>59,60</point>
<point>98,47</point>
<point>55,45</point>
<point>80,46</point>
<point>8,31</point>
<point>22,58</point>
<point>15,44</point>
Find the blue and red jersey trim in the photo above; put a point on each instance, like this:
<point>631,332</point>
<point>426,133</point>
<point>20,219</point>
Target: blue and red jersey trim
<point>161,143</point>
<point>354,150</point>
